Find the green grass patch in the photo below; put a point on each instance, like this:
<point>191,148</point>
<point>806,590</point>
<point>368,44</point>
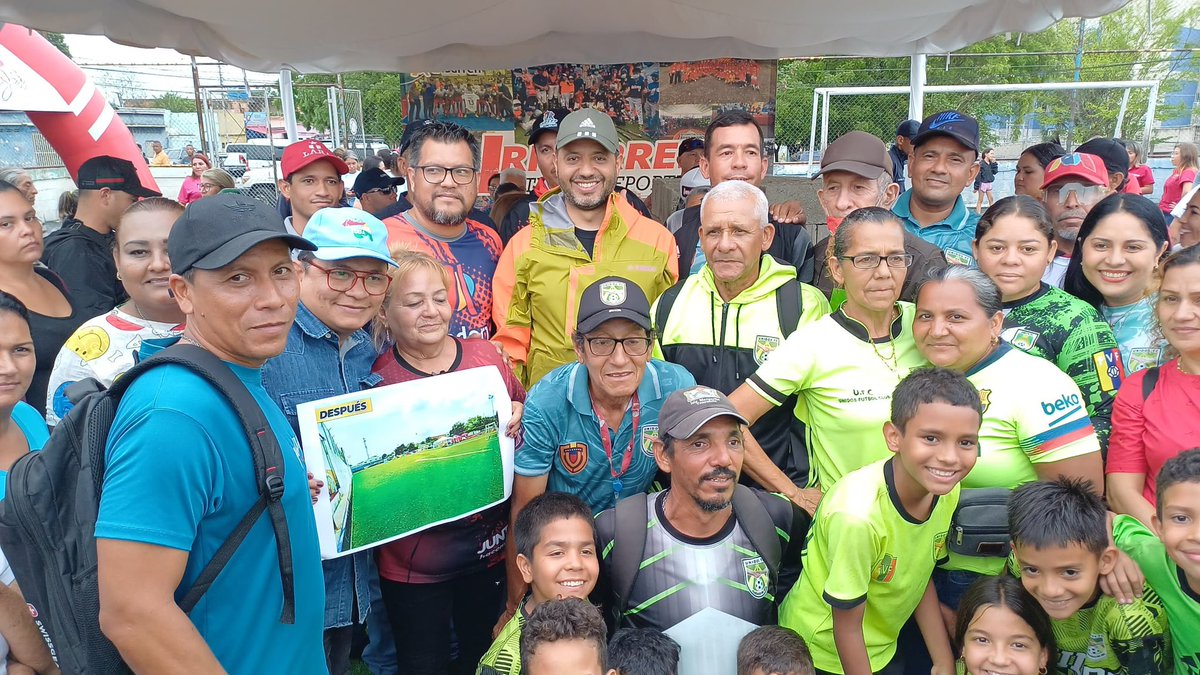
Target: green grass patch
<point>430,486</point>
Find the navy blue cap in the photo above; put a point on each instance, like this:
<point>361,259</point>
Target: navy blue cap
<point>960,127</point>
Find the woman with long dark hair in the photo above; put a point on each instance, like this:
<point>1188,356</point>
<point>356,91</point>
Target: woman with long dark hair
<point>1114,267</point>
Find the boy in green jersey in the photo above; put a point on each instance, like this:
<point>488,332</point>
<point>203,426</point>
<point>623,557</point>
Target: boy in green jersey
<point>1060,543</point>
<point>556,554</point>
<point>1170,554</point>
<point>879,532</point>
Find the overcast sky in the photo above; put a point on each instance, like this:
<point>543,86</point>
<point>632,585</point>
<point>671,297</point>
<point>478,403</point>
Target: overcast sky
<point>97,54</point>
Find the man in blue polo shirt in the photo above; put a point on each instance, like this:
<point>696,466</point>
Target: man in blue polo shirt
<point>589,427</point>
<point>180,476</point>
<point>943,164</point>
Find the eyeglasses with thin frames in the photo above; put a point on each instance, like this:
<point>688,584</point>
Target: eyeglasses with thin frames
<point>342,280</point>
<point>870,262</point>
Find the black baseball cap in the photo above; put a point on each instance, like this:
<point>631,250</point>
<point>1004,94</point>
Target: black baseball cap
<point>1111,152</point>
<point>547,121</point>
<point>612,298</point>
<point>371,179</point>
<point>690,144</point>
<point>409,130</point>
<point>217,230</point>
<point>960,127</point>
<point>113,173</point>
<point>908,129</point>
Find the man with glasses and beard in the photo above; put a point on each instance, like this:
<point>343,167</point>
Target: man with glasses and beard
<point>442,166</point>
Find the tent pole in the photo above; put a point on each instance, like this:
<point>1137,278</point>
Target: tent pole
<point>289,105</point>
<point>916,87</point>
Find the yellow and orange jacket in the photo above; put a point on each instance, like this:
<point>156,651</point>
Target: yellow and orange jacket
<point>544,269</point>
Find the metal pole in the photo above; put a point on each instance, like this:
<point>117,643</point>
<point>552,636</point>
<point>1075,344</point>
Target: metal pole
<point>289,105</point>
<point>1121,114</point>
<point>916,87</point>
<point>812,135</point>
<point>199,112</point>
<point>825,123</point>
<point>1151,107</point>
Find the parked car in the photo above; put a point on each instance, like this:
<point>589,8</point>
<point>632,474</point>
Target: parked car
<point>240,158</point>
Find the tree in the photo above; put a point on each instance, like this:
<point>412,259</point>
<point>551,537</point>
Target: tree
<point>382,94</point>
<point>59,41</point>
<point>1124,45</point>
<point>176,103</point>
<point>458,428</point>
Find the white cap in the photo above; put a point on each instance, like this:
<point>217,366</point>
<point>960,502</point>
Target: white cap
<point>693,179</point>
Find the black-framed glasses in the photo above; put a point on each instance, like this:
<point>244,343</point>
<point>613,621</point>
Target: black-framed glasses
<point>462,175</point>
<point>341,279</point>
<point>870,262</point>
<point>604,346</point>
<point>390,189</point>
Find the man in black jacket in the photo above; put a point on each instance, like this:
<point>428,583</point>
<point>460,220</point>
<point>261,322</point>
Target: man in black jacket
<point>81,251</point>
<point>733,150</point>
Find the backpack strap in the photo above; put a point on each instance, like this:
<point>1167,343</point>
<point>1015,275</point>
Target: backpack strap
<point>1149,382</point>
<point>665,302</point>
<point>789,303</point>
<point>631,519</point>
<point>759,527</point>
<point>268,468</point>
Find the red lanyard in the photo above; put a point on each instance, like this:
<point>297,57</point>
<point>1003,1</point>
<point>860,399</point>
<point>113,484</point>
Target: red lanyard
<point>606,439</point>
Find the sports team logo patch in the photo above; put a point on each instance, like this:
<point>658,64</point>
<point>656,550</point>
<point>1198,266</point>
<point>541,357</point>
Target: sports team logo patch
<point>957,257</point>
<point>758,577</point>
<point>939,546</point>
<point>573,456</point>
<point>612,293</point>
<point>1022,339</point>
<point>885,569</point>
<point>1109,368</point>
<point>649,433</point>
<point>985,398</point>
<point>763,346</point>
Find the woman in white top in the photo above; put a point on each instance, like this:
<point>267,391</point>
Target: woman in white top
<point>106,346</point>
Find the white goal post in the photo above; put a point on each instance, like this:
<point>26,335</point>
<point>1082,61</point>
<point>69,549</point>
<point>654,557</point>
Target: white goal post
<point>821,96</point>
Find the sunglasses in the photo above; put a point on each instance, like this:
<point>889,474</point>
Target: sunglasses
<point>382,190</point>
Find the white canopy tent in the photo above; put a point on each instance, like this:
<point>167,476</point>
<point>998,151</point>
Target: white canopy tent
<point>409,36</point>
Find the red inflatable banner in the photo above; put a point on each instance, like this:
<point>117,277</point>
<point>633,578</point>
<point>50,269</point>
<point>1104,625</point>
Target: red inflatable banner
<point>91,127</point>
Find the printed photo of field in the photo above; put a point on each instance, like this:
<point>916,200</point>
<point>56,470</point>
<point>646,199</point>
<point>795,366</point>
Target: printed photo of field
<point>408,456</point>
<point>432,486</point>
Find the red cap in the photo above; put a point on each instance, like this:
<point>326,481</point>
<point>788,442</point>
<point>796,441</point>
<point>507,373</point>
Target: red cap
<point>299,155</point>
<point>1090,168</point>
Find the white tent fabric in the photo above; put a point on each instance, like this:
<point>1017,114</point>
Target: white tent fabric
<point>429,36</point>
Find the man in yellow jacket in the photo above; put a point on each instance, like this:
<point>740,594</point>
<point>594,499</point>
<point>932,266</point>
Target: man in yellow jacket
<point>577,234</point>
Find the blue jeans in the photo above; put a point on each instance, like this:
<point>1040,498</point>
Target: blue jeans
<point>380,652</point>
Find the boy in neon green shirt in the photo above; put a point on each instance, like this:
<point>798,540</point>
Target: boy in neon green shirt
<point>1169,555</point>
<point>1061,547</point>
<point>879,532</point>
<point>555,541</point>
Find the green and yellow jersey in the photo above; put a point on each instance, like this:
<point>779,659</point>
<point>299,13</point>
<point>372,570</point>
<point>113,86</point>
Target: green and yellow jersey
<point>864,547</point>
<point>1178,600</point>
<point>504,656</point>
<point>843,381</point>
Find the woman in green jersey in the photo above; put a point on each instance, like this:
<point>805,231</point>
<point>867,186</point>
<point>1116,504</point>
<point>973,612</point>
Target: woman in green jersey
<point>1113,268</point>
<point>1014,243</point>
<point>1034,425</point>
<point>844,366</point>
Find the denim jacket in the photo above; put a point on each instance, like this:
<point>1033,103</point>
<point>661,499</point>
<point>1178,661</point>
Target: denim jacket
<point>314,366</point>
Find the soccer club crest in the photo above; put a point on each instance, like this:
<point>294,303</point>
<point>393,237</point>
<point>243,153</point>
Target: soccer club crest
<point>649,433</point>
<point>939,546</point>
<point>573,456</point>
<point>985,398</point>
<point>763,346</point>
<point>612,293</point>
<point>758,577</point>
<point>885,569</point>
<point>1022,339</point>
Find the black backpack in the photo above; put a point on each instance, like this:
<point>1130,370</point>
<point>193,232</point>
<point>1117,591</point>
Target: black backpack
<point>48,518</point>
<point>630,519</point>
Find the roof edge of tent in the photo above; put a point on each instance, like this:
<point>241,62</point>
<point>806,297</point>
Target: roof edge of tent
<point>189,37</point>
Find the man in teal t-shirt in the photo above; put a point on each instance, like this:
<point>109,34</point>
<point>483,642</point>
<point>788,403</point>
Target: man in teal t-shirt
<point>943,164</point>
<point>180,476</point>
